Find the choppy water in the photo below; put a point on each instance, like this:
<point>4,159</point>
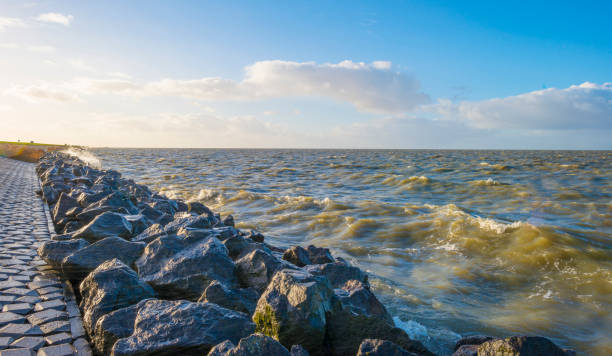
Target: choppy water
<point>456,242</point>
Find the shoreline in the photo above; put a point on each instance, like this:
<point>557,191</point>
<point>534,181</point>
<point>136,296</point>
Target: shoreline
<point>98,210</point>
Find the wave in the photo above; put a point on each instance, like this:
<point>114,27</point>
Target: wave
<point>85,156</point>
<point>486,182</point>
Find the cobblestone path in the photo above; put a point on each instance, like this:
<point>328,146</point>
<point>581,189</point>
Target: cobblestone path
<point>39,313</point>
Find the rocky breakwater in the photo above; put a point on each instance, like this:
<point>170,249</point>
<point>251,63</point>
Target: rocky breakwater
<point>158,276</point>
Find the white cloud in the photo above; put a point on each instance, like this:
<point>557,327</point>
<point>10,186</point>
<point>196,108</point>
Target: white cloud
<point>31,48</point>
<point>57,18</point>
<point>80,64</point>
<point>584,106</point>
<point>6,22</point>
<point>42,92</point>
<point>369,87</point>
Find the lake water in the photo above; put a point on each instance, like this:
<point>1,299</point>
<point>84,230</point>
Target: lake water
<point>455,242</point>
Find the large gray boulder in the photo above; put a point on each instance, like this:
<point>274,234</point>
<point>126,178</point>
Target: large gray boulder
<point>53,252</point>
<point>252,345</point>
<point>242,300</point>
<point>257,268</point>
<point>105,225</point>
<point>182,268</point>
<point>293,309</point>
<point>338,273</point>
<point>181,327</point>
<point>361,316</point>
<point>522,346</point>
<point>114,326</point>
<point>374,347</point>
<point>111,286</point>
<point>64,203</point>
<point>181,221</point>
<point>297,255</point>
<point>78,265</point>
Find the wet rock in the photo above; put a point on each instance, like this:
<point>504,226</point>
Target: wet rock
<point>157,230</point>
<point>374,347</point>
<point>139,223</point>
<point>319,255</point>
<point>242,300</point>
<point>472,340</point>
<point>182,328</point>
<point>111,286</point>
<point>198,208</point>
<point>255,236</point>
<point>466,350</point>
<point>520,346</point>
<point>338,273</point>
<point>78,265</point>
<point>298,350</point>
<point>254,345</point>
<point>114,326</point>
<point>294,308</point>
<point>297,255</point>
<point>257,268</point>
<point>221,349</point>
<point>64,203</point>
<point>54,252</point>
<point>229,221</point>
<point>105,225</point>
<point>361,316</point>
<point>182,268</point>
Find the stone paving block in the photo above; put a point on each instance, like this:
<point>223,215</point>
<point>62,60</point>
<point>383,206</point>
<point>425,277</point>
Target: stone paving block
<point>20,292</point>
<point>61,338</point>
<point>49,290</point>
<point>18,330</point>
<point>5,342</point>
<point>56,304</point>
<point>8,317</point>
<point>6,299</point>
<point>52,296</point>
<point>17,352</point>
<point>18,308</point>
<point>57,350</point>
<point>55,327</point>
<point>47,316</point>
<point>28,299</point>
<point>29,342</point>
<point>82,347</point>
<point>10,283</point>
<point>76,327</point>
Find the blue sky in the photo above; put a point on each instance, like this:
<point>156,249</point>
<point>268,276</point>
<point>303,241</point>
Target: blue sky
<point>405,74</point>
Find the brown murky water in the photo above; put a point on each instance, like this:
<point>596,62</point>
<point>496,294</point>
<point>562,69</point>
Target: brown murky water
<point>456,242</point>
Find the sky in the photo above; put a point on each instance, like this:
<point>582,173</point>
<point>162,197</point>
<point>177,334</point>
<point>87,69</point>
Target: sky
<point>307,74</point>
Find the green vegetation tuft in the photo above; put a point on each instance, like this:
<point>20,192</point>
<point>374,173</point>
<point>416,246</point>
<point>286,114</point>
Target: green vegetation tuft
<point>266,323</point>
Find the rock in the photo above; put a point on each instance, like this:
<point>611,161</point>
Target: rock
<point>257,345</point>
<point>466,350</point>
<point>298,350</point>
<point>181,327</point>
<point>198,208</point>
<point>361,316</point>
<point>78,265</point>
<point>338,273</point>
<point>294,308</point>
<point>139,223</point>
<point>183,268</point>
<point>54,252</point>
<point>71,226</point>
<point>242,300</point>
<point>257,269</point>
<point>520,346</point>
<point>254,235</point>
<point>229,221</point>
<point>157,230</point>
<point>151,213</point>
<point>374,347</point>
<point>236,245</point>
<point>221,349</point>
<point>49,194</point>
<point>319,255</point>
<point>472,340</point>
<point>297,255</point>
<point>114,326</point>
<point>164,206</point>
<point>105,225</point>
<point>85,199</point>
<point>111,286</point>
<point>64,203</point>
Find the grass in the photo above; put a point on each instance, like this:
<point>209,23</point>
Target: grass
<point>26,151</point>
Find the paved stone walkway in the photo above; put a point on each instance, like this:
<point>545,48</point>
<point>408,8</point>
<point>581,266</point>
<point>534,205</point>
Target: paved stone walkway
<point>39,313</point>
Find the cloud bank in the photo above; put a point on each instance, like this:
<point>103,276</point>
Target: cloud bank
<point>584,106</point>
<point>369,87</point>
<point>6,22</point>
